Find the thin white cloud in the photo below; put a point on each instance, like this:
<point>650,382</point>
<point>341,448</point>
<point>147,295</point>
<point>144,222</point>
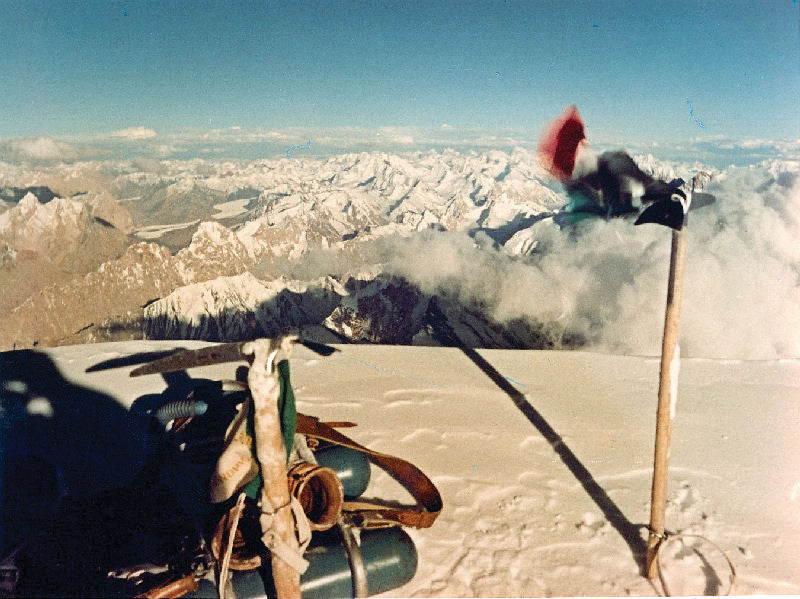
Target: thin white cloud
<point>134,133</point>
<point>39,148</point>
<point>711,151</point>
<point>402,139</point>
<point>276,135</point>
<point>397,135</point>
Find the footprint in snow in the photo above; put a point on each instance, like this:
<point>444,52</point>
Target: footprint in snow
<point>591,523</point>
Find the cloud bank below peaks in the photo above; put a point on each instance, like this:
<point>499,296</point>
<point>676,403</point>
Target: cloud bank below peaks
<point>253,144</point>
<point>605,287</point>
<point>44,149</point>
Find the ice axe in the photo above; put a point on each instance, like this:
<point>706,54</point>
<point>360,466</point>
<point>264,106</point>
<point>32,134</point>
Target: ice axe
<point>671,212</point>
<point>216,354</point>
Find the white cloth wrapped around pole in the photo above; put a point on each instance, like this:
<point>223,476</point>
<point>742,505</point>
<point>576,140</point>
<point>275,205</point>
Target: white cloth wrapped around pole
<point>277,521</point>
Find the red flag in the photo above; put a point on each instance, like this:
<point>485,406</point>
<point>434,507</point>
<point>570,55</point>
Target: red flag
<point>559,144</point>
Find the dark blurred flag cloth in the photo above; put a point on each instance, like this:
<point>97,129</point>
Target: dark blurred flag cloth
<point>559,144</point>
<point>612,184</point>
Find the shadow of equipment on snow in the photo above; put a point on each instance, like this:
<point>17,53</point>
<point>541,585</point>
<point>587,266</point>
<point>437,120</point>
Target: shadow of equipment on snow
<point>627,530</point>
<point>57,439</point>
<point>132,360</point>
<point>87,486</point>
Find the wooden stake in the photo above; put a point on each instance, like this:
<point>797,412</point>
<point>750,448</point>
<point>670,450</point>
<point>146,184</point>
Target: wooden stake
<point>667,389</point>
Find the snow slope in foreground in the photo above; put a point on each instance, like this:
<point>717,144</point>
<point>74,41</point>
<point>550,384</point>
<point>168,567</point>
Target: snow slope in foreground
<point>544,460</point>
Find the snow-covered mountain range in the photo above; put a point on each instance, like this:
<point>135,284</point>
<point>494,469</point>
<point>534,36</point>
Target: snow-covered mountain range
<point>274,211</point>
<point>420,248</point>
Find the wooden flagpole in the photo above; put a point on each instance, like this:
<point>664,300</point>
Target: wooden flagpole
<point>667,395</point>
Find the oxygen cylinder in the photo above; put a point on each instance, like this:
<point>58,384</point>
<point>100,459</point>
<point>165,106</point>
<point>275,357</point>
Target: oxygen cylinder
<point>351,466</point>
<point>389,556</point>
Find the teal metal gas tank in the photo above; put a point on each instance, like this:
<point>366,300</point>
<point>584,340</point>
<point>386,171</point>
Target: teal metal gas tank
<point>389,556</point>
<point>351,466</point>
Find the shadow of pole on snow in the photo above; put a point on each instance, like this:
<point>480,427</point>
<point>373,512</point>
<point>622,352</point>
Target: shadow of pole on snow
<point>627,530</point>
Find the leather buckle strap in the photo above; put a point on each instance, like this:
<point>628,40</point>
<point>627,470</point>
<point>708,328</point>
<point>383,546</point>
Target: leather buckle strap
<point>367,514</point>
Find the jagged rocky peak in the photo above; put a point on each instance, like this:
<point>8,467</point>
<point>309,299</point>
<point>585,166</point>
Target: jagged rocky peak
<point>211,233</point>
<point>375,310</point>
<point>62,232</point>
<point>109,298</point>
<point>214,250</point>
<point>106,208</point>
<point>143,260</point>
<point>32,219</point>
<point>240,307</point>
<point>220,309</point>
<point>655,167</point>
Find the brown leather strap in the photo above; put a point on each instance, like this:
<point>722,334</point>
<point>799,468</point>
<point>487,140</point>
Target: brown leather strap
<point>247,545</point>
<point>172,589</point>
<point>367,514</point>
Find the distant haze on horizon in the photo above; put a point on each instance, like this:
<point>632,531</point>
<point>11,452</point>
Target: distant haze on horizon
<point>638,73</point>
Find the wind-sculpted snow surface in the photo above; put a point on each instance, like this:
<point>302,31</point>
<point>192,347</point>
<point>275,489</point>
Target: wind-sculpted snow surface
<point>545,480</point>
<point>479,233</point>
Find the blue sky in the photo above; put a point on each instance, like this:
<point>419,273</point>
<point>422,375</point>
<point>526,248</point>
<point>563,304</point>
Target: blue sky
<point>85,68</point>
